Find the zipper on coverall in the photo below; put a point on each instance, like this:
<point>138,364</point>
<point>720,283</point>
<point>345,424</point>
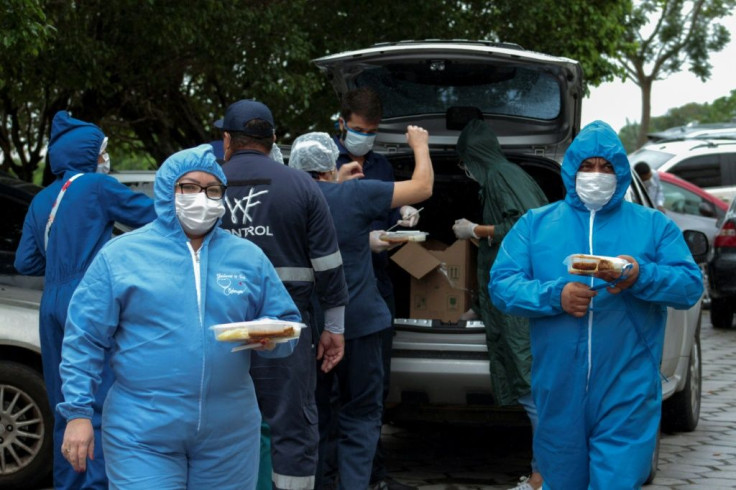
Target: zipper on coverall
<point>590,308</point>
<point>197,283</point>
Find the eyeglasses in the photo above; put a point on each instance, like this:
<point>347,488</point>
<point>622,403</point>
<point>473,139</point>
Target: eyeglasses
<point>214,192</point>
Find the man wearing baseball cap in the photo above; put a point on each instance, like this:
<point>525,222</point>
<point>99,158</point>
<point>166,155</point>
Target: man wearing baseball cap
<point>282,210</point>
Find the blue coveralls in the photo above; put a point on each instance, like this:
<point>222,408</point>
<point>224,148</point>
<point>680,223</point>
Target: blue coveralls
<point>355,204</point>
<point>377,167</point>
<point>595,379</point>
<point>83,224</point>
<point>281,210</point>
<point>182,411</point>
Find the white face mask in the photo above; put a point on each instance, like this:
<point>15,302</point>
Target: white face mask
<point>104,167</point>
<point>595,189</point>
<point>357,143</point>
<point>197,213</point>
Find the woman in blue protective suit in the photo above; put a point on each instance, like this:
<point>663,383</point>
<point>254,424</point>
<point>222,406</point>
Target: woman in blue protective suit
<point>596,354</point>
<point>84,215</point>
<point>182,411</point>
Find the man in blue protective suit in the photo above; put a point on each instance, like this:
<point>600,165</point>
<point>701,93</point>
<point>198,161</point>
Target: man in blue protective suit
<point>360,115</point>
<point>354,205</point>
<point>283,212</point>
<point>62,233</point>
<point>596,354</point>
<point>182,411</point>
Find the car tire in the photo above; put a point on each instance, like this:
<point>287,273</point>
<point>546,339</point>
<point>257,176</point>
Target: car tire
<point>655,458</point>
<point>682,411</point>
<point>27,427</point>
<point>721,312</point>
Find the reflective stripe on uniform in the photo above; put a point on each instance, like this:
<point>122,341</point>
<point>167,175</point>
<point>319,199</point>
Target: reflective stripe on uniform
<point>286,482</point>
<point>294,274</point>
<point>327,262</point>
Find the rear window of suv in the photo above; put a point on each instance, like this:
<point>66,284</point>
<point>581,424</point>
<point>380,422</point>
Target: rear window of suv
<point>433,86</point>
<point>654,158</point>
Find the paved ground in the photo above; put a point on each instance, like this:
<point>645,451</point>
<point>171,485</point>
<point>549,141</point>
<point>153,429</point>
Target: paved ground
<point>444,458</point>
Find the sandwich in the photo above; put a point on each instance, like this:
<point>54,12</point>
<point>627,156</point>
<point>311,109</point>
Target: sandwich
<point>588,265</point>
<point>255,334</point>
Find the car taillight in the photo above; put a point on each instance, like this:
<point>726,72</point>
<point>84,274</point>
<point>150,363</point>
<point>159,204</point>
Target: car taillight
<point>726,235</point>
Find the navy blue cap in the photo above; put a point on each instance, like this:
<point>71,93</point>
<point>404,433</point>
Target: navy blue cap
<point>243,111</point>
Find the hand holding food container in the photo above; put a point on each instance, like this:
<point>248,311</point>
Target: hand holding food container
<point>618,272</point>
<point>262,334</point>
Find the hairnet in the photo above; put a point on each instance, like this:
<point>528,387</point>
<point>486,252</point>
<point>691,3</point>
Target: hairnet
<point>314,152</point>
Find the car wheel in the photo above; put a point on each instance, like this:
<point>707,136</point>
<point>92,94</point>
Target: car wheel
<point>721,312</point>
<point>682,411</point>
<point>26,433</point>
<point>655,458</point>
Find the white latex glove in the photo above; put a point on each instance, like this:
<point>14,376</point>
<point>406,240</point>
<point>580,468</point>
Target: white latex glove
<point>378,245</point>
<point>464,229</point>
<point>409,217</point>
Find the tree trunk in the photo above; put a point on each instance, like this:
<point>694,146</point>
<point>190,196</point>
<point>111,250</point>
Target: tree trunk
<point>646,111</point>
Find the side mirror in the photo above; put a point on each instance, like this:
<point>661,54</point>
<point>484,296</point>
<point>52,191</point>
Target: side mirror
<point>707,209</point>
<point>697,242</point>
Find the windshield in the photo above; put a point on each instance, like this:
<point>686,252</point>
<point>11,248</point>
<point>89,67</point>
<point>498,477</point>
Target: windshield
<point>654,158</point>
<point>433,86</point>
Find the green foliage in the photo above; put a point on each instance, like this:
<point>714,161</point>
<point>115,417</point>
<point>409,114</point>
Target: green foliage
<point>155,74</point>
<point>665,36</point>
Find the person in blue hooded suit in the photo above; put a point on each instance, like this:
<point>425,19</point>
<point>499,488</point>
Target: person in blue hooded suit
<point>83,223</point>
<point>182,411</point>
<point>596,354</point>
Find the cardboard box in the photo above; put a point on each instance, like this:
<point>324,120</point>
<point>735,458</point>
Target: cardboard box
<point>442,278</point>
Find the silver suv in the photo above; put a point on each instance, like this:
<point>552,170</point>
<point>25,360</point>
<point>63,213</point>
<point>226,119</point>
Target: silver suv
<point>708,163</point>
<point>532,101</point>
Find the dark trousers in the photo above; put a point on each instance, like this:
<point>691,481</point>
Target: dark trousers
<point>350,403</point>
<point>53,311</point>
<point>285,389</point>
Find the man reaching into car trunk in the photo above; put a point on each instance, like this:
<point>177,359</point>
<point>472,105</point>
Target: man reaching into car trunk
<point>506,193</point>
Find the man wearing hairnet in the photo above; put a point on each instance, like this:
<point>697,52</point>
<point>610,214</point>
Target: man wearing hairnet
<point>66,225</point>
<point>354,205</point>
<point>182,411</point>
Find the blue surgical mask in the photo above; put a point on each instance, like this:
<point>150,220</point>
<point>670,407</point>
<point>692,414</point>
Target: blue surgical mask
<point>357,143</point>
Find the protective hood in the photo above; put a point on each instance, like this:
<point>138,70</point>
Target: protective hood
<point>479,150</point>
<point>597,139</point>
<point>74,145</point>
<point>200,158</point>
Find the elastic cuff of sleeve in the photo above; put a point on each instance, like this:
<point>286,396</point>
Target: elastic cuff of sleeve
<point>556,298</point>
<point>335,320</point>
<point>70,412</point>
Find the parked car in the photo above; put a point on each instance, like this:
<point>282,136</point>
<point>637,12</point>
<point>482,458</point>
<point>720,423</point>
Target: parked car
<point>680,196</point>
<point>694,131</point>
<point>722,272</point>
<point>25,416</point>
<point>692,208</point>
<point>708,163</point>
<point>532,101</point>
